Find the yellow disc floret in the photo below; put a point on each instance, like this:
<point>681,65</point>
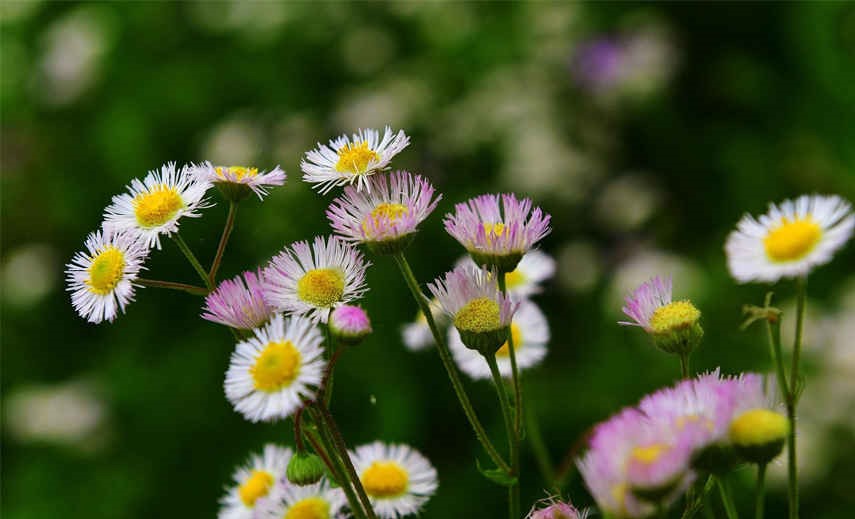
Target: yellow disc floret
<point>759,427</point>
<point>479,316</point>
<point>106,271</point>
<point>235,172</point>
<point>276,367</point>
<point>354,158</point>
<point>157,206</point>
<point>256,485</point>
<point>321,287</point>
<point>385,213</point>
<point>309,508</point>
<point>792,240</point>
<point>493,230</point>
<point>674,316</point>
<point>385,479</point>
<point>516,335</point>
<point>648,454</point>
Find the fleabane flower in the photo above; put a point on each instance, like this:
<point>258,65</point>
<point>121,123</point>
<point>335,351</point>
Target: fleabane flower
<point>397,478</point>
<point>417,335</point>
<point>479,311</point>
<point>238,302</point>
<point>789,240</point>
<point>673,325</point>
<point>237,182</point>
<point>758,429</point>
<point>312,280</point>
<point>154,206</point>
<point>530,333</point>
<point>497,230</point>
<point>386,216</point>
<point>555,508</point>
<point>527,278</point>
<point>288,501</point>
<point>349,324</point>
<point>352,160</point>
<point>272,372</point>
<point>253,481</point>
<point>101,278</point>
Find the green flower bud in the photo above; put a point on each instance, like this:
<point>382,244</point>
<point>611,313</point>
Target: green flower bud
<point>305,468</point>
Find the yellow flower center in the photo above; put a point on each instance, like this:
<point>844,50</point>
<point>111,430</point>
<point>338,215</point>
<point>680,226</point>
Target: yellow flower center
<point>648,454</point>
<point>106,271</point>
<point>309,508</point>
<point>321,287</point>
<point>276,367</point>
<point>758,427</point>
<point>792,240</point>
<point>674,316</point>
<point>385,479</point>
<point>384,213</point>
<point>516,335</point>
<point>157,206</point>
<point>256,485</point>
<point>514,278</point>
<point>354,158</point>
<point>493,230</point>
<point>235,172</point>
<point>479,315</point>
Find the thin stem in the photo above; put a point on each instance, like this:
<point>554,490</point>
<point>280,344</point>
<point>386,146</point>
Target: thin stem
<point>773,333</point>
<point>172,285</point>
<point>514,491</point>
<point>700,498</point>
<point>761,490</point>
<point>684,365</point>
<point>538,447</point>
<point>662,510</point>
<point>505,403</point>
<point>726,500</point>
<point>792,399</point>
<point>224,239</point>
<point>298,434</point>
<point>321,443</point>
<point>448,363</point>
<point>192,259</point>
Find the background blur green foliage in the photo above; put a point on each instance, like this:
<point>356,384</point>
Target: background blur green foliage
<point>717,110</point>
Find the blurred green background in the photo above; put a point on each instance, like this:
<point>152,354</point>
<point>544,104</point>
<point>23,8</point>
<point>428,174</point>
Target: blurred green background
<point>645,129</point>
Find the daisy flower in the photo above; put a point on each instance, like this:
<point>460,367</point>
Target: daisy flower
<point>386,215</point>
<point>238,302</point>
<point>758,429</point>
<point>790,239</point>
<point>153,206</point>
<point>497,230</point>
<point>101,278</point>
<point>479,311</point>
<point>312,280</point>
<point>352,160</point>
<point>530,333</point>
<point>534,268</point>
<point>673,325</point>
<point>397,478</point>
<point>555,508</point>
<point>272,372</point>
<point>253,481</point>
<point>316,501</point>
<point>417,335</point>
<point>236,182</point>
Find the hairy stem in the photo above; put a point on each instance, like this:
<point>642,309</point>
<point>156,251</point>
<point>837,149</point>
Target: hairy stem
<point>518,410</point>
<point>172,285</point>
<point>761,491</point>
<point>193,260</point>
<point>224,239</point>
<point>513,443</point>
<point>792,398</point>
<point>726,499</point>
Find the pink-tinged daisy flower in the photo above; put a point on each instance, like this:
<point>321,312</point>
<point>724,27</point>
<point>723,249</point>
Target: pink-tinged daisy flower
<point>316,501</point>
<point>479,311</point>
<point>101,279</point>
<point>253,482</point>
<point>527,279</point>
<point>790,239</point>
<point>759,428</point>
<point>239,302</point>
<point>271,373</point>
<point>154,206</point>
<point>350,323</point>
<point>312,280</point>
<point>530,333</point>
<point>497,230</point>
<point>555,508</point>
<point>385,216</point>
<point>398,479</point>
<point>236,182</point>
<point>673,325</point>
<point>352,160</point>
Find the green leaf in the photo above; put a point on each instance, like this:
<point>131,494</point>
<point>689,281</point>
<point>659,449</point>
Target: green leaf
<point>497,476</point>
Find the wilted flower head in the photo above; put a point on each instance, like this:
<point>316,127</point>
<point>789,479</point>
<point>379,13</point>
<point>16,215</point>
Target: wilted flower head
<point>239,302</point>
<point>236,182</point>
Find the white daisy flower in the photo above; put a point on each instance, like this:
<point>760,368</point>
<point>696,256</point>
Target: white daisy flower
<point>526,279</point>
<point>312,280</point>
<point>101,278</point>
<point>288,501</point>
<point>417,334</point>
<point>237,181</point>
<point>153,206</point>
<point>271,373</point>
<point>253,481</point>
<point>530,333</point>
<point>348,160</point>
<point>397,478</point>
<point>790,239</point>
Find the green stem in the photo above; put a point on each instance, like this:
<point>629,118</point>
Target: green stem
<point>726,500</point>
<point>224,239</point>
<point>773,334</point>
<point>699,499</point>
<point>684,365</point>
<point>518,411</point>
<point>761,489</point>
<point>192,259</point>
<point>505,403</point>
<point>792,398</point>
<point>448,363</point>
<point>172,285</point>
<point>322,445</point>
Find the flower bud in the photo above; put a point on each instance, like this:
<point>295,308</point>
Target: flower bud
<point>349,324</point>
<point>758,435</point>
<point>305,468</point>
